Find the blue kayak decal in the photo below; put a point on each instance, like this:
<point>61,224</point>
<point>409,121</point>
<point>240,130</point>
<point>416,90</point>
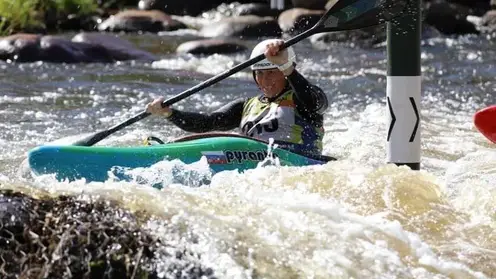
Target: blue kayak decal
<point>235,156</point>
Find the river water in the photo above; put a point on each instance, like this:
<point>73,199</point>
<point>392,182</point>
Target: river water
<point>358,217</point>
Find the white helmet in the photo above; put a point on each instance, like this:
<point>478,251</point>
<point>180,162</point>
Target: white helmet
<point>265,64</point>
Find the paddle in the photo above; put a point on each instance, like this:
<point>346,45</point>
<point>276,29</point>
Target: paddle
<point>343,15</point>
<point>485,122</point>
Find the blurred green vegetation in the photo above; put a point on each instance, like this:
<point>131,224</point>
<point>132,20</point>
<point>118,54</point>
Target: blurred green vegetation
<point>17,15</point>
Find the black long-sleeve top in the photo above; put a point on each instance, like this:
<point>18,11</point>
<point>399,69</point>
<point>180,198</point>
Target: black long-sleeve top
<point>310,101</point>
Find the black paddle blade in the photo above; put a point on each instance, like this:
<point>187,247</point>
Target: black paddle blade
<point>356,14</point>
<point>92,139</point>
<point>96,137</point>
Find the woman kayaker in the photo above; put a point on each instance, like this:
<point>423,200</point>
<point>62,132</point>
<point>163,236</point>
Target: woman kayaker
<point>290,110</point>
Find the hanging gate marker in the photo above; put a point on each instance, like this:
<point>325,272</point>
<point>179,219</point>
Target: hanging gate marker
<point>403,93</point>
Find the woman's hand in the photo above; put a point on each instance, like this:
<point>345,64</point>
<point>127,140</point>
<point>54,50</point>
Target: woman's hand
<point>275,55</point>
<point>155,108</point>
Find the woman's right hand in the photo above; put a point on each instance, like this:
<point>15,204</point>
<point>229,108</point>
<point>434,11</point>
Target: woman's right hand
<point>155,107</point>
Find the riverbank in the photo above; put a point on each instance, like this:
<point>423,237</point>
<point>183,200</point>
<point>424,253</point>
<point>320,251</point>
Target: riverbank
<point>49,17</point>
<point>35,36</point>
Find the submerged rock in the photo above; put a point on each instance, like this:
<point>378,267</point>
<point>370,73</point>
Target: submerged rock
<point>365,37</point>
<point>64,237</point>
<point>120,49</point>
<point>33,47</point>
<point>187,7</point>
<point>488,21</point>
<point>297,20</point>
<point>477,7</point>
<point>449,18</point>
<point>210,46</point>
<point>136,20</point>
<point>310,4</point>
<point>257,9</point>
<point>243,26</point>
<point>85,48</point>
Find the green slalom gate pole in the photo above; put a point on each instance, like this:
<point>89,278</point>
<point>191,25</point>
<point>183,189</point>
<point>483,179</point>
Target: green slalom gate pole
<point>404,88</point>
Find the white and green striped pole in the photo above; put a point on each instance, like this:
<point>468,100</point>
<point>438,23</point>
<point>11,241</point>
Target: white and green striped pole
<point>404,88</point>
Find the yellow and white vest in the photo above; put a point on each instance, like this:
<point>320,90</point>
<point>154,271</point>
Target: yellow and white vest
<point>281,121</point>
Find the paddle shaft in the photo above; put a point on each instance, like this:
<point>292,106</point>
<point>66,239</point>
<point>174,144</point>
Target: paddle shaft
<point>103,134</point>
<point>233,70</point>
<point>328,23</point>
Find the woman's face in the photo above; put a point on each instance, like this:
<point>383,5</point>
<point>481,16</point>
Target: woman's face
<point>270,81</point>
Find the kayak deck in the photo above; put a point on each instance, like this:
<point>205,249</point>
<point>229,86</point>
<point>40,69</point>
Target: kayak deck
<point>222,152</point>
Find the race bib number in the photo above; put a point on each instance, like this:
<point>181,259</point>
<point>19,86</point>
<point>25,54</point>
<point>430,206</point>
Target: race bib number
<point>251,129</point>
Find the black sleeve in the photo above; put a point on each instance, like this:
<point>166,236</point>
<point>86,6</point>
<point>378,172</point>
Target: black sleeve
<point>226,118</point>
<point>308,96</point>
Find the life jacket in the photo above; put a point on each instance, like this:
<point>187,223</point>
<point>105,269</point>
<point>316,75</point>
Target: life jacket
<point>282,121</point>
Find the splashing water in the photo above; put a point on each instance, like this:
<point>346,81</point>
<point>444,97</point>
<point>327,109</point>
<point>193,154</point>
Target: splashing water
<point>357,217</point>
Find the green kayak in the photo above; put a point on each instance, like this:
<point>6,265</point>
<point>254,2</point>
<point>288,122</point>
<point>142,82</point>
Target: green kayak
<point>222,152</point>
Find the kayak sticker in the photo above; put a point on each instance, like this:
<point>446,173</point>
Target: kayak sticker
<point>234,156</point>
<point>215,157</point>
